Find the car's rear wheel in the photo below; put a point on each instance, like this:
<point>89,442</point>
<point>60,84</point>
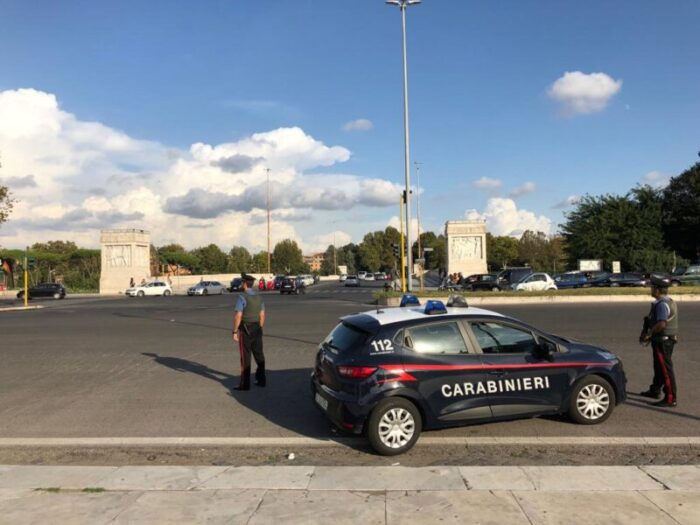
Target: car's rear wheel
<point>495,289</point>
<point>204,292</point>
<point>166,293</point>
<point>57,295</point>
<point>394,426</point>
<point>140,293</point>
<point>592,401</point>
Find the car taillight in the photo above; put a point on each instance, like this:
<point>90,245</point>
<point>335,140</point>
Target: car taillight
<point>356,372</point>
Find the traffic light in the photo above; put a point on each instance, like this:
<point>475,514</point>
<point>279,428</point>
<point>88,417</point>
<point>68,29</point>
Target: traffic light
<point>396,250</point>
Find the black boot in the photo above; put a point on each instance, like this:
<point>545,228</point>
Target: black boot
<point>653,394</point>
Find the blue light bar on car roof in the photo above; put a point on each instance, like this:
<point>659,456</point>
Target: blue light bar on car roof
<point>434,307</point>
<point>409,300</point>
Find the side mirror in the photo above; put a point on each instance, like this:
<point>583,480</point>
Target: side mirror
<point>545,350</point>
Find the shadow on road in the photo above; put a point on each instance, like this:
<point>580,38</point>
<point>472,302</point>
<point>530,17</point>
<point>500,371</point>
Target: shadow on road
<point>642,403</point>
<point>286,401</point>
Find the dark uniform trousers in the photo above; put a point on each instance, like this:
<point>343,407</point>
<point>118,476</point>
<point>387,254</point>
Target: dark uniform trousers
<point>250,341</point>
<point>664,377</point>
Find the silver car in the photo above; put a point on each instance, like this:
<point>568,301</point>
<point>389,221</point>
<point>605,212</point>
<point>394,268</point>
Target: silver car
<point>206,288</point>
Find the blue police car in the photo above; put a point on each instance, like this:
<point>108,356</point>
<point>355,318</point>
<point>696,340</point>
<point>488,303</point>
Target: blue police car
<point>392,372</point>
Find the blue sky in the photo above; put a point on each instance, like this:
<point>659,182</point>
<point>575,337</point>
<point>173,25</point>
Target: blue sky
<point>216,72</point>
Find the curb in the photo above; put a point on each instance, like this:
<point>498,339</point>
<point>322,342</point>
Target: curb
<point>20,308</point>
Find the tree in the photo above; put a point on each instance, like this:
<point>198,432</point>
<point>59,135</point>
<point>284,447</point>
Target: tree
<point>681,211</point>
<point>6,203</point>
<point>501,251</point>
<point>211,259</point>
<point>55,246</point>
<point>287,258</point>
<point>172,248</point>
<point>259,263</point>
<point>240,260</point>
<point>624,228</point>
<point>532,250</point>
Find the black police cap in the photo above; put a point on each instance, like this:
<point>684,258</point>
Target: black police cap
<point>660,282</point>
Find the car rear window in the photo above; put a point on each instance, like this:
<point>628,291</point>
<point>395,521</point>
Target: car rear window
<point>345,337</point>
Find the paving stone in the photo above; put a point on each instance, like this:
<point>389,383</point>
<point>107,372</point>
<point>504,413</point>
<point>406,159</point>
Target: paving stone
<point>211,507</point>
<point>496,478</point>
<point>682,506</point>
<point>263,477</point>
<point>483,508</point>
<point>320,507</point>
<point>591,508</point>
<point>32,477</point>
<point>74,508</point>
<point>676,477</point>
<point>159,477</point>
<point>386,478</point>
<point>6,494</point>
<point>561,478</point>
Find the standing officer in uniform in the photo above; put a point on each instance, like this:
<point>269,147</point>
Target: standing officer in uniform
<point>248,323</point>
<point>661,329</point>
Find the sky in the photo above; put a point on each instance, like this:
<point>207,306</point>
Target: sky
<point>166,115</point>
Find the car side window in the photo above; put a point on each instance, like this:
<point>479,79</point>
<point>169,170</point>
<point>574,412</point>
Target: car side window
<point>436,338</point>
<point>497,338</point>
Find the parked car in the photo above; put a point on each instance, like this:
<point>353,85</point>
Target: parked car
<point>342,277</point>
<point>206,288</point>
<point>236,285</point>
<point>480,281</point>
<point>154,288</point>
<point>307,279</point>
<point>55,290</point>
<point>361,275</point>
<point>510,276</point>
<point>278,281</point>
<point>623,279</point>
<point>380,276</point>
<point>352,280</point>
<point>369,276</point>
<point>535,282</point>
<point>688,276</point>
<point>571,280</point>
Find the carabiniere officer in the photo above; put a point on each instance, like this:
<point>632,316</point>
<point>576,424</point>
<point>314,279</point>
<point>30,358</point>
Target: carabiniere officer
<point>248,324</point>
<point>661,329</point>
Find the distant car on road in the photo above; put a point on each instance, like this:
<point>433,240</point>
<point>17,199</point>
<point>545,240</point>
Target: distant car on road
<point>342,277</point>
<point>55,290</point>
<point>361,275</point>
<point>352,280</point>
<point>571,280</point>
<point>236,285</point>
<point>380,276</point>
<point>535,282</point>
<point>369,276</point>
<point>292,285</point>
<point>689,276</point>
<point>278,281</point>
<point>206,288</point>
<point>480,281</point>
<point>154,288</point>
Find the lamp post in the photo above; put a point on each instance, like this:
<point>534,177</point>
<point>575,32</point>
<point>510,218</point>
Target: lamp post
<point>268,220</point>
<point>403,4</point>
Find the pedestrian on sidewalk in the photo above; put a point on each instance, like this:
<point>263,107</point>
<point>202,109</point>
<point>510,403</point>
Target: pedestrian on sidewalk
<point>248,322</point>
<point>661,329</point>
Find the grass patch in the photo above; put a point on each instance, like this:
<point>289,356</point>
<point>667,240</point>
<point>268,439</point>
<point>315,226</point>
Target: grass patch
<point>677,290</point>
<point>93,490</point>
<point>48,489</point>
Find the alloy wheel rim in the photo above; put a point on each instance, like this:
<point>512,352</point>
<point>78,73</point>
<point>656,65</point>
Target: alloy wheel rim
<point>396,428</point>
<point>593,402</point>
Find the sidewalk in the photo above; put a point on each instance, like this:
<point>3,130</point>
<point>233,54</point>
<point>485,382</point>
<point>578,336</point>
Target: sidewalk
<point>300,494</point>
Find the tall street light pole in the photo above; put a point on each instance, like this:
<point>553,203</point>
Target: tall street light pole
<point>403,4</point>
<point>420,251</point>
<point>268,220</point>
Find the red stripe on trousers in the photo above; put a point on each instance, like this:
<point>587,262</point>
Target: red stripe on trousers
<point>240,352</point>
<point>667,378</point>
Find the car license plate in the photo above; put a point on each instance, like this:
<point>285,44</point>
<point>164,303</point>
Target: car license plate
<point>322,402</point>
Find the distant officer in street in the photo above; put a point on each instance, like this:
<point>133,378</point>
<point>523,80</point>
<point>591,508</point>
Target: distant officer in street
<point>248,324</point>
<point>661,330</point>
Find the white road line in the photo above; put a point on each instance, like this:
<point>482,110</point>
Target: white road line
<point>343,441</point>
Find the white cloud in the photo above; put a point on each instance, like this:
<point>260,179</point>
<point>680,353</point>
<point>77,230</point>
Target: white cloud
<point>361,124</point>
<point>503,217</point>
<point>656,179</point>
<point>571,200</point>
<point>319,243</point>
<point>86,176</point>
<point>524,189</point>
<point>579,93</point>
<point>485,183</point>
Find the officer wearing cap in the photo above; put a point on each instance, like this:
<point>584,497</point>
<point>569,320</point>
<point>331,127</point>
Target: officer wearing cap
<point>248,324</point>
<point>661,329</point>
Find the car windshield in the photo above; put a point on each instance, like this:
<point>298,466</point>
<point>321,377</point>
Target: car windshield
<point>679,271</point>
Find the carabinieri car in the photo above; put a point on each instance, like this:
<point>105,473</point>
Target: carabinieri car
<point>392,372</point>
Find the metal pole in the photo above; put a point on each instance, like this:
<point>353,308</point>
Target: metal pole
<point>407,159</point>
<point>421,255</point>
<point>403,251</point>
<point>268,221</point>
<point>26,281</point>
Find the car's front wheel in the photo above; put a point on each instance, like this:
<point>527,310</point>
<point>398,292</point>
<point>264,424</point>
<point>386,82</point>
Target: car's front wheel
<point>394,426</point>
<point>495,289</point>
<point>166,293</point>
<point>141,293</point>
<point>592,401</point>
<point>57,295</point>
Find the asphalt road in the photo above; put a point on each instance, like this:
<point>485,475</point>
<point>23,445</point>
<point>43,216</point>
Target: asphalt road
<point>167,367</point>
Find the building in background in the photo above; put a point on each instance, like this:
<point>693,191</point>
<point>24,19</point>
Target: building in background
<point>315,261</point>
